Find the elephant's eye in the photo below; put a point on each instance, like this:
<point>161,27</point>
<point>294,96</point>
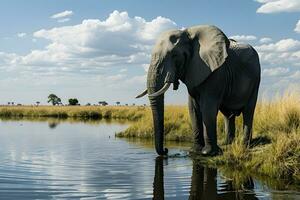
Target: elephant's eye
<point>173,39</point>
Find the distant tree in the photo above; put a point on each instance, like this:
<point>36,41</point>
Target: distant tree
<point>8,103</point>
<point>37,103</point>
<point>52,98</point>
<point>12,103</point>
<point>118,103</point>
<point>126,104</point>
<point>133,104</point>
<point>88,104</point>
<point>103,103</point>
<point>73,102</point>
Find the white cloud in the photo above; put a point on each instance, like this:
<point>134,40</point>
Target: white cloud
<point>63,20</point>
<point>265,40</point>
<point>21,35</point>
<point>275,6</point>
<point>284,53</point>
<point>243,37</point>
<point>297,28</point>
<point>90,43</point>
<point>99,51</point>
<point>64,14</point>
<point>281,46</point>
<point>278,71</point>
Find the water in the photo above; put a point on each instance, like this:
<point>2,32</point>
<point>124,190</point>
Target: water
<point>52,160</point>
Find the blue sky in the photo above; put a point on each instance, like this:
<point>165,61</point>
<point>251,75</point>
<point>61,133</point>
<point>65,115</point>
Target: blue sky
<point>99,50</point>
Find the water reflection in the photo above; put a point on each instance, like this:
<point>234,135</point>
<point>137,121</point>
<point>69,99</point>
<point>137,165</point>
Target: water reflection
<point>158,184</point>
<point>53,124</point>
<point>204,184</point>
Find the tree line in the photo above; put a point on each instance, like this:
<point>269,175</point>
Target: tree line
<point>55,100</point>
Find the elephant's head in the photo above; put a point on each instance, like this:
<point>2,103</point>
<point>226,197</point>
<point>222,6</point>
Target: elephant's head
<point>188,55</point>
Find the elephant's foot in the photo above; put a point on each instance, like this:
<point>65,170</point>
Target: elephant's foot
<point>210,150</point>
<point>196,149</point>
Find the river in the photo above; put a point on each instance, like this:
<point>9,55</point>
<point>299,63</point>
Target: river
<point>79,160</point>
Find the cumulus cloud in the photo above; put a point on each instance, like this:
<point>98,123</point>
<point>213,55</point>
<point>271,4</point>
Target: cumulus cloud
<point>243,37</point>
<point>276,6</point>
<point>102,50</point>
<point>21,35</point>
<point>297,28</point>
<point>118,39</point>
<point>265,40</point>
<point>63,20</point>
<point>277,71</point>
<point>284,45</point>
<point>284,53</point>
<point>66,13</point>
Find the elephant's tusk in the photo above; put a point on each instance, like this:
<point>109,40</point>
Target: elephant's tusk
<point>161,91</point>
<point>142,94</point>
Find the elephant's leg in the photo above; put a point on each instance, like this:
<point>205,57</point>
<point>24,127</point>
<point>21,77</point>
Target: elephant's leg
<point>209,116</point>
<point>229,129</point>
<point>196,122</point>
<point>248,114</point>
<point>197,183</point>
<point>210,183</point>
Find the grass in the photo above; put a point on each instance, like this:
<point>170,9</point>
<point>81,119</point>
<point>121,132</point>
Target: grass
<point>75,112</point>
<point>275,151</point>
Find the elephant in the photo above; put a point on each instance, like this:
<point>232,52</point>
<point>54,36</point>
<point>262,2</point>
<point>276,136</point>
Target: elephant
<point>220,74</point>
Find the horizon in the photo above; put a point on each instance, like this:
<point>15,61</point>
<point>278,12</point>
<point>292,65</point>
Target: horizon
<point>100,50</point>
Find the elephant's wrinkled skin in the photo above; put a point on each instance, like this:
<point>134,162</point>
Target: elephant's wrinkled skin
<point>220,74</point>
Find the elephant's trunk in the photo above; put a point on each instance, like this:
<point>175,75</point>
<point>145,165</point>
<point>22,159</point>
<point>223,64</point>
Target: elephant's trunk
<point>155,81</point>
<point>157,106</point>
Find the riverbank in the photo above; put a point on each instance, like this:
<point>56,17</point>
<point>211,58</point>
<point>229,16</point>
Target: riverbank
<point>275,150</point>
<point>131,113</point>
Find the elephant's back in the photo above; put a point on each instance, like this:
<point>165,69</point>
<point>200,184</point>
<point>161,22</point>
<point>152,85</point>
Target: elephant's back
<point>246,58</point>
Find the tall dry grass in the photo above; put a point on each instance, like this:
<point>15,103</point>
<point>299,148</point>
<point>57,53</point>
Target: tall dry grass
<point>275,150</point>
<point>81,112</point>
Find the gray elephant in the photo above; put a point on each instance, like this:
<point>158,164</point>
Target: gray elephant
<point>220,74</point>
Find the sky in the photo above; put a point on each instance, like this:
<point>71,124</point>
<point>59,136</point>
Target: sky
<point>99,50</point>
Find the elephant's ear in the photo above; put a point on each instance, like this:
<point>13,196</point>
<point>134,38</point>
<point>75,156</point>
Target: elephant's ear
<point>209,46</point>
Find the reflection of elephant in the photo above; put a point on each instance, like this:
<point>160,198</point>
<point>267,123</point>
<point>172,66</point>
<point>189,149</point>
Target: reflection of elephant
<point>203,184</point>
<point>220,74</point>
<point>158,184</point>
